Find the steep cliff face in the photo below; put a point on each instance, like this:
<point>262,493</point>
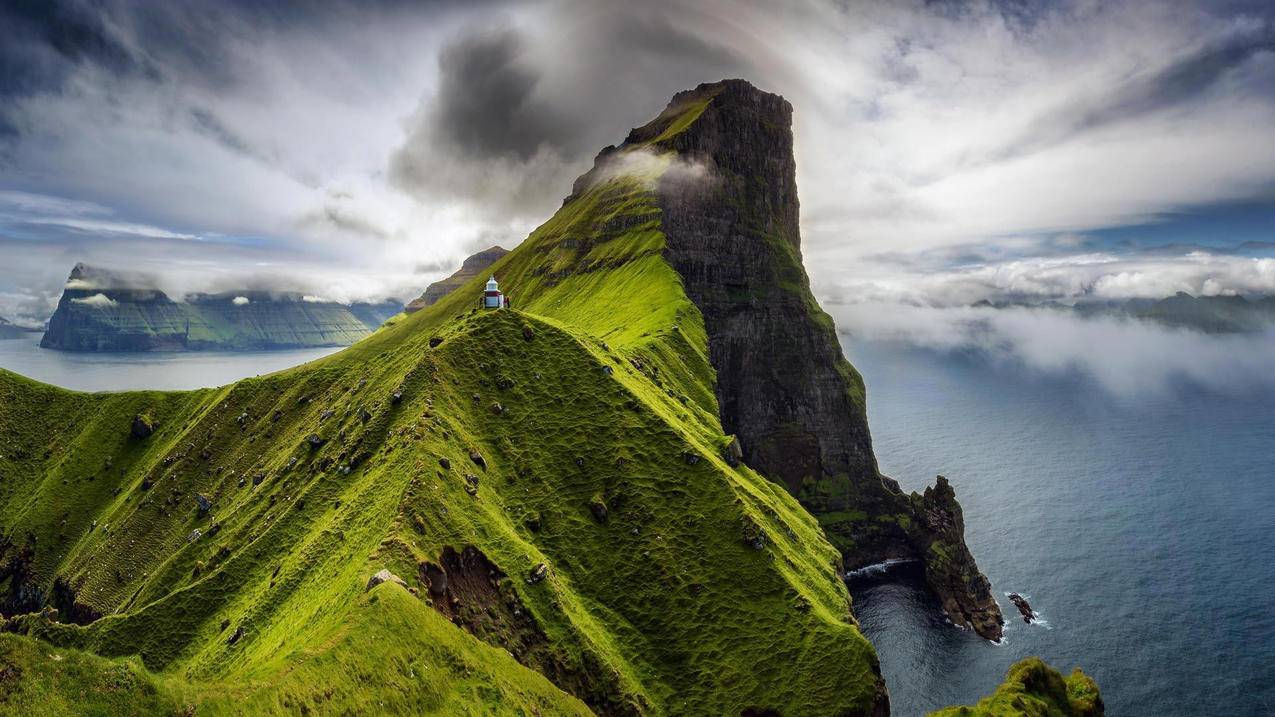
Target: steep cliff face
<point>730,216</point>
<point>103,311</point>
<point>472,266</point>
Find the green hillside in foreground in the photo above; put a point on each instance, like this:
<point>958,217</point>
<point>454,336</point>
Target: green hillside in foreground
<point>566,524</point>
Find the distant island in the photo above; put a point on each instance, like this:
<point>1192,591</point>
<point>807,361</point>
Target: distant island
<point>102,310</point>
<point>10,330</point>
<point>1207,314</point>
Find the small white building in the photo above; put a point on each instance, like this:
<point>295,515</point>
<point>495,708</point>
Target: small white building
<point>492,298</point>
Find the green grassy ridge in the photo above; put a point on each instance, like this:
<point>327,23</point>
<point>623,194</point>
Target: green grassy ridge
<point>172,615</point>
<point>603,403</point>
<point>1034,689</point>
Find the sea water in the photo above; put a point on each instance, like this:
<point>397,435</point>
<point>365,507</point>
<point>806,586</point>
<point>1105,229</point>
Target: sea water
<point>144,370</point>
<point>1140,528</point>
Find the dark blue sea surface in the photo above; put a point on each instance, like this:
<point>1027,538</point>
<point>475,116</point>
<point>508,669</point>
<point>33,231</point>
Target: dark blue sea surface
<point>1141,529</point>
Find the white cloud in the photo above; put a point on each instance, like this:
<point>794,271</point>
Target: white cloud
<point>111,227</point>
<point>96,300</point>
<point>1128,358</point>
<point>240,301</point>
<point>910,279</point>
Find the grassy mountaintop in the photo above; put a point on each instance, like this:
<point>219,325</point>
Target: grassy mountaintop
<point>568,526</point>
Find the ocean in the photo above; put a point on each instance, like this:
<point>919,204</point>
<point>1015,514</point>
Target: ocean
<point>1140,529</point>
<point>129,371</point>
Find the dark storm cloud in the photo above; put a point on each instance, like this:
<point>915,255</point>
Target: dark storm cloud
<point>518,112</point>
<point>486,103</point>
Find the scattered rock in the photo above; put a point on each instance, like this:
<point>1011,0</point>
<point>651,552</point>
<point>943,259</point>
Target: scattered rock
<point>599,510</point>
<point>434,341</point>
<point>303,400</point>
<point>236,636</point>
<point>147,484</point>
<point>343,469</point>
<point>754,536</point>
<point>538,573</point>
<point>314,440</point>
<point>242,419</point>
<point>364,415</point>
<point>384,576</point>
<point>528,333</point>
<point>396,398</point>
<point>532,522</point>
<point>327,414</point>
<point>608,370</point>
<point>194,535</point>
<point>225,624</point>
<point>477,458</point>
<point>1024,609</point>
<point>142,427</point>
<point>733,453</point>
<point>690,458</point>
<point>471,484</point>
<point>496,408</point>
<point>446,464</point>
<point>276,415</point>
<point>256,479</point>
<point>203,502</point>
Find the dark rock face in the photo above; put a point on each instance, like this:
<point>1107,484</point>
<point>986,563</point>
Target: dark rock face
<point>142,427</point>
<point>471,267</point>
<point>1024,608</point>
<point>783,386</point>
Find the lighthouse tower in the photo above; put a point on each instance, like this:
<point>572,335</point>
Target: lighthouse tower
<point>492,298</point>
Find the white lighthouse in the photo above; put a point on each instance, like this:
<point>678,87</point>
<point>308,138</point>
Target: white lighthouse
<point>492,298</point>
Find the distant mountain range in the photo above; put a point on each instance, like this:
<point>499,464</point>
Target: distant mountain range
<point>1208,314</point>
<point>101,310</point>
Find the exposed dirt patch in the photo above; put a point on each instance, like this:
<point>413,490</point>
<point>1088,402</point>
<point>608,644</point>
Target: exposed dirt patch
<point>475,594</point>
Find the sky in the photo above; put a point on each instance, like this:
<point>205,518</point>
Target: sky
<point>947,152</point>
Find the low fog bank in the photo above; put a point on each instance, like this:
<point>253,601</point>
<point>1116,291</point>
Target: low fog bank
<point>1126,357</point>
<point>32,307</point>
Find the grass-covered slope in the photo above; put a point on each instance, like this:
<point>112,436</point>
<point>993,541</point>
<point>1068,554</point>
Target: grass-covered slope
<point>581,435</point>
<point>551,485</point>
<point>1034,689</point>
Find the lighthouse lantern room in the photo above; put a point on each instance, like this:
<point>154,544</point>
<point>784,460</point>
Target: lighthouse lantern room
<point>492,298</point>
